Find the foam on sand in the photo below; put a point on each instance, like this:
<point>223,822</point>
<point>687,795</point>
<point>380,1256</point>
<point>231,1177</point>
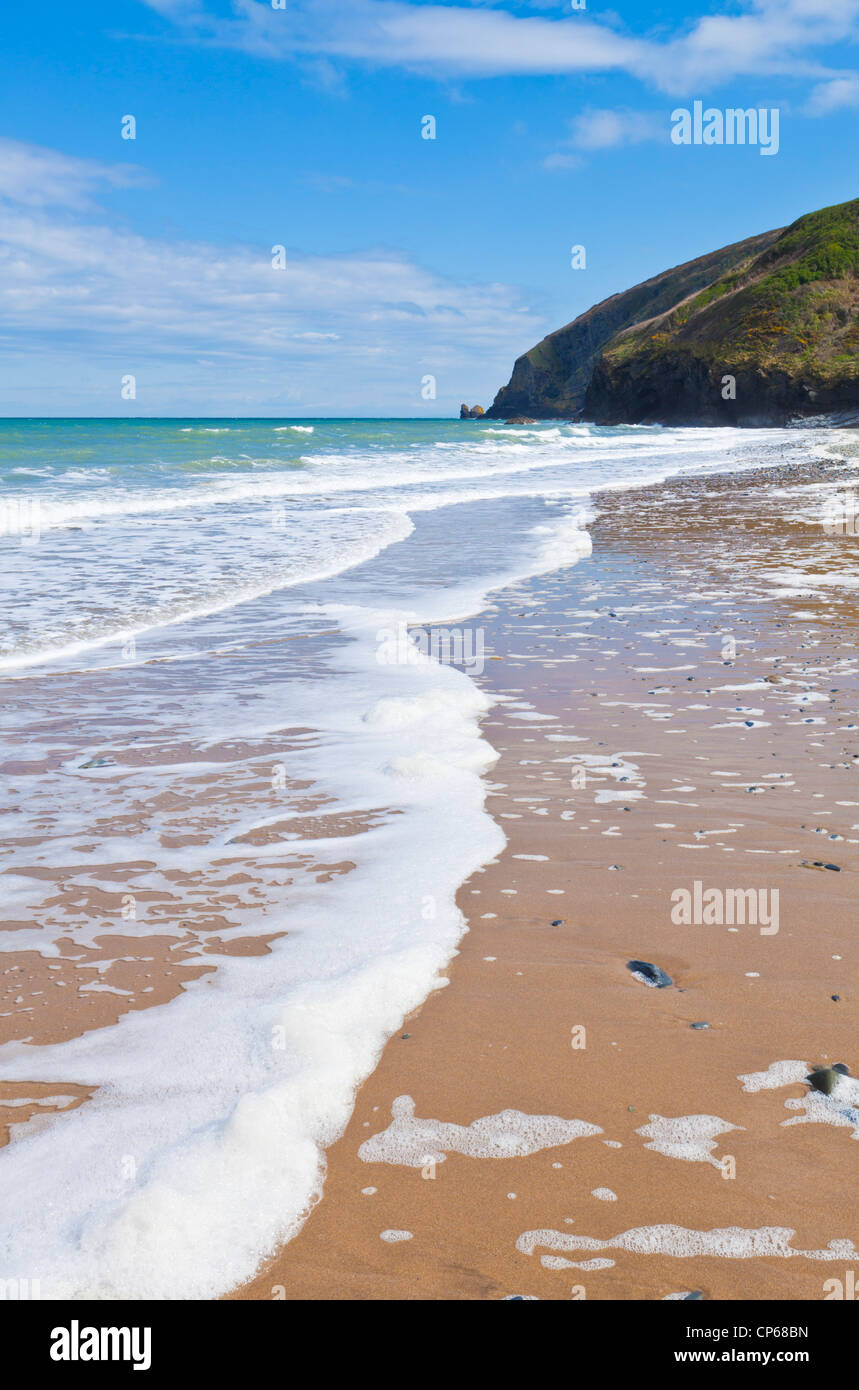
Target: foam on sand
<point>202,1147</point>
<point>689,1137</point>
<point>726,1243</point>
<point>509,1134</point>
<point>839,1108</point>
<point>564,542</point>
<point>558,1262</point>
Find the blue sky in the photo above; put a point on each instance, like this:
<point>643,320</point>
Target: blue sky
<point>404,257</point>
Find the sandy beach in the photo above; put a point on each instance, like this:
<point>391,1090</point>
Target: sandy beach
<point>679,707</point>
<point>676,754</point>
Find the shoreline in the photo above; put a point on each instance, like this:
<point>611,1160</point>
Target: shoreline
<point>582,888</point>
<point>538,1029</point>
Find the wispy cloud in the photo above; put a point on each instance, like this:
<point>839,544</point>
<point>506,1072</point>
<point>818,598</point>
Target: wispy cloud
<point>834,94</point>
<point>39,177</point>
<point>342,331</point>
<point>769,37</point>
<point>601,129</point>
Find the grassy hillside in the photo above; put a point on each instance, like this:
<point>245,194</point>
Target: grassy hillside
<point>793,307</point>
<point>779,314</point>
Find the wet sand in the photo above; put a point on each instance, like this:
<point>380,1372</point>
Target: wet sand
<point>672,709</point>
<point>678,707</point>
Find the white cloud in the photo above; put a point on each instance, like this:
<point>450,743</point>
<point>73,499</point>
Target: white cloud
<point>222,324</point>
<point>39,177</point>
<point>769,37</point>
<point>834,94</point>
<point>601,129</point>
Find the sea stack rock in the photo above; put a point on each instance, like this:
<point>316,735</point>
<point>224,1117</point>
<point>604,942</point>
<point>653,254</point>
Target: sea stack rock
<point>473,414</point>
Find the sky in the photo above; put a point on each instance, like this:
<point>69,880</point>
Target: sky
<point>279,238</point>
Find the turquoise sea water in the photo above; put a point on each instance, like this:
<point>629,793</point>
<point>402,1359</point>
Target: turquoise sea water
<point>114,528</point>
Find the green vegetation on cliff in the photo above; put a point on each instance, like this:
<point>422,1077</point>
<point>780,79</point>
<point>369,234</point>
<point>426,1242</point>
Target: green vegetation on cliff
<point>758,333</point>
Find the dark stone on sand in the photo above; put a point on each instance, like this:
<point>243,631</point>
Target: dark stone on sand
<point>836,998</point>
<point>653,974</point>
<point>699,1025</point>
<point>819,864</point>
<point>695,1294</point>
<point>824,1079</point>
<point>558,922</point>
<point>405,1035</point>
<point>842,1067</point>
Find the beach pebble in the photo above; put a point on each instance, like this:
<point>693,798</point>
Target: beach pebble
<point>652,975</point>
<point>699,1025</point>
<point>824,1079</point>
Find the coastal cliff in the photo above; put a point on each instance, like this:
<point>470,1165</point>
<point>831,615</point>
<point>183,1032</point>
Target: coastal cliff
<point>758,333</point>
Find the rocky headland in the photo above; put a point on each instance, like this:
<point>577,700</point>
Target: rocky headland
<point>761,332</point>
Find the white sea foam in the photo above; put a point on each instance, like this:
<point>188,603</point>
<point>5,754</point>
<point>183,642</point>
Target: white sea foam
<point>564,542</point>
<point>227,1153</point>
<point>776,1075</point>
<point>414,1142</point>
<point>558,1262</point>
<point>39,1100</point>
<point>689,1137</point>
<point>725,1243</point>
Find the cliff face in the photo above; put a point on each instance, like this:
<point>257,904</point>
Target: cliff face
<point>552,379</point>
<point>758,333</point>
